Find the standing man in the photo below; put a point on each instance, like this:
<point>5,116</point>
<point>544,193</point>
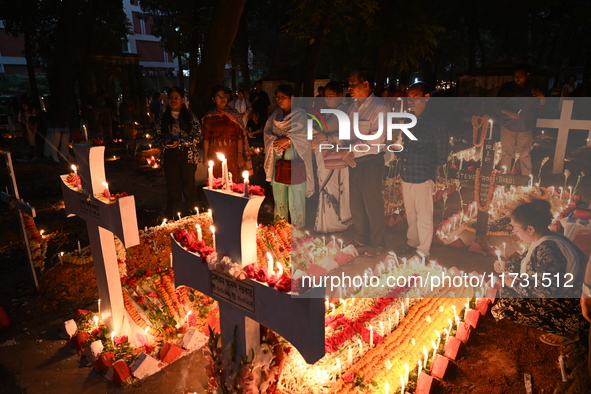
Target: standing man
<point>367,170</point>
<point>260,102</point>
<point>518,118</point>
<point>420,160</point>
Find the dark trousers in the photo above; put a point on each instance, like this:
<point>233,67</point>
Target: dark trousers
<point>180,179</point>
<point>367,203</point>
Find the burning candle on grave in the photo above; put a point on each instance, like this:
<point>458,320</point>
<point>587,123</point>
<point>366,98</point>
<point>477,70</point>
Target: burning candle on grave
<point>85,133</point>
<point>113,339</point>
<point>438,338</point>
<point>453,307</point>
<point>179,215</point>
<point>340,244</point>
<point>561,191</point>
<point>466,310</point>
<point>280,271</point>
<point>425,355</point>
<point>106,191</point>
<point>570,193</point>
<point>420,367</point>
<point>225,179</point>
<point>370,335</point>
<point>171,260</point>
<point>270,271</point>
<point>406,373</point>
<point>96,319</point>
<point>60,256</point>
<point>360,346</point>
<point>199,233</point>
<point>79,249</point>
<point>531,181</point>
<point>434,345</point>
<point>210,174</point>
<point>99,306</point>
<point>387,388</point>
<point>504,249</point>
<point>246,182</point>
<point>504,169</point>
<point>212,228</point>
<point>402,307</point>
<point>196,211</point>
<point>397,318</point>
<point>323,241</point>
<point>75,169</point>
<point>402,384</point>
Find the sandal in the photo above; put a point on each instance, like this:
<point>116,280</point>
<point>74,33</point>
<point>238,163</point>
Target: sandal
<point>372,252</point>
<point>406,249</point>
<point>557,340</point>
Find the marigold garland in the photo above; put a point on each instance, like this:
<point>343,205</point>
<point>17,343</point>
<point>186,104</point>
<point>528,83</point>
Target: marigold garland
<point>491,189</point>
<point>479,129</point>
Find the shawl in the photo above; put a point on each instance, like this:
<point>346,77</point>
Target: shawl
<point>292,126</point>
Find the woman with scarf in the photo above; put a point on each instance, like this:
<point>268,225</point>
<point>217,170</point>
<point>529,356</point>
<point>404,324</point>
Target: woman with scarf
<point>543,290</point>
<point>286,145</point>
<point>224,133</point>
<point>178,132</point>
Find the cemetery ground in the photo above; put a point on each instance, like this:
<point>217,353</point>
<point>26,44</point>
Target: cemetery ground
<point>34,359</point>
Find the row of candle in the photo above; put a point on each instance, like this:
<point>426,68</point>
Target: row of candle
<point>226,176</point>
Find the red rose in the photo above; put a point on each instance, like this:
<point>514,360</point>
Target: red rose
<point>120,340</point>
<point>348,377</point>
<point>284,284</point>
<point>140,300</point>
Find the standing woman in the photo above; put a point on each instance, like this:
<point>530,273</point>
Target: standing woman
<point>285,139</point>
<point>334,210</point>
<point>178,131</point>
<point>224,133</point>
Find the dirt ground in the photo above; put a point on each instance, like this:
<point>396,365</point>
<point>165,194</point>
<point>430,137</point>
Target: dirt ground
<point>495,361</point>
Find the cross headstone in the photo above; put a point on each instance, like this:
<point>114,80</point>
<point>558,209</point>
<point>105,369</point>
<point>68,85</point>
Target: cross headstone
<point>486,168</point>
<point>564,124</point>
<point>247,304</point>
<point>15,201</point>
<point>102,221</point>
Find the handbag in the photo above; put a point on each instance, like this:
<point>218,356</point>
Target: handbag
<point>290,172</point>
<point>333,160</point>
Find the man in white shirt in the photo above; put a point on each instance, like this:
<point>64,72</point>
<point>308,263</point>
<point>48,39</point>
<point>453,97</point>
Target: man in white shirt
<point>366,173</point>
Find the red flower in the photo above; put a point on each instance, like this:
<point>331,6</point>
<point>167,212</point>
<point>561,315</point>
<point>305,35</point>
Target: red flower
<point>348,377</point>
<point>471,168</point>
<point>148,348</point>
<point>515,171</point>
<point>140,300</point>
<point>153,294</point>
<point>120,340</point>
<point>453,166</point>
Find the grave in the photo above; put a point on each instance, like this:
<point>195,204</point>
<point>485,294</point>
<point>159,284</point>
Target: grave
<point>103,220</point>
<point>14,200</point>
<point>244,305</point>
<point>564,124</point>
<point>483,176</point>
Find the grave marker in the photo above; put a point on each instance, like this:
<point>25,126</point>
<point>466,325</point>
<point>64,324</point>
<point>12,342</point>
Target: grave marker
<point>247,304</point>
<point>486,169</point>
<point>564,124</point>
<point>14,201</point>
<point>102,221</point>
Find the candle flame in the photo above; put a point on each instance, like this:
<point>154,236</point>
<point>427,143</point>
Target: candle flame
<point>210,163</point>
<point>245,175</point>
<point>498,253</point>
<point>221,156</point>
<point>212,228</point>
<point>74,168</point>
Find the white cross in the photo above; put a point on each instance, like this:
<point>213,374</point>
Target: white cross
<point>245,304</point>
<point>102,221</point>
<point>564,124</point>
<point>14,200</point>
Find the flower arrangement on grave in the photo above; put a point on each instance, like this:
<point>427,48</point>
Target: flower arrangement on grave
<point>239,187</point>
<point>258,373</point>
<point>37,242</point>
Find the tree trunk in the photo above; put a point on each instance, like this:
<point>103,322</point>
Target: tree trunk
<point>31,68</point>
<point>61,75</point>
<point>313,52</point>
<point>218,43</point>
<point>241,46</point>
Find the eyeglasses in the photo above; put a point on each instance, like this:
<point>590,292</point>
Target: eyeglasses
<point>281,98</point>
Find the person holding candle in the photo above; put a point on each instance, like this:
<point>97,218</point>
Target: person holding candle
<point>178,131</point>
<point>518,118</point>
<point>285,140</point>
<point>548,304</point>
<point>224,132</point>
<point>334,211</point>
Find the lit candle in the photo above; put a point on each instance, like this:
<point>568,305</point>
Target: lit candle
<point>199,233</point>
<point>491,128</point>
<point>225,179</point>
<point>323,241</point>
<point>96,319</point>
<point>406,373</point>
<point>79,249</point>
<point>466,310</point>
<point>397,318</point>
<point>179,215</point>
<point>461,161</point>
<point>504,249</point>
<point>434,345</point>
<point>326,304</point>
<point>75,176</point>
<point>280,272</point>
<point>246,182</point>
<point>270,271</point>
<point>339,366</point>
<point>438,337</point>
<point>60,256</point>
<point>163,222</point>
<point>570,193</point>
<point>196,210</point>
<point>425,355</point>
<point>401,384</point>
<point>387,388</point>
<point>113,338</point>
<point>531,180</point>
<point>370,336</point>
<point>350,355</point>
<point>171,260</point>
<point>453,307</point>
<point>402,307</point>
<point>498,253</point>
<point>106,185</point>
<point>210,174</point>
<point>85,133</point>
<point>420,368</point>
<point>99,306</point>
<point>561,191</point>
<point>360,346</point>
<point>389,324</point>
<point>212,228</point>
<point>504,169</point>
